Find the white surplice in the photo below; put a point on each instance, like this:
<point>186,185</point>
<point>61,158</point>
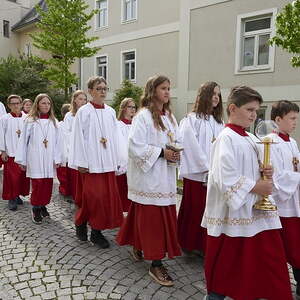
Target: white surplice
<point>286,181</point>
<point>234,171</point>
<point>2,109</point>
<point>150,179</point>
<point>9,128</point>
<point>196,136</point>
<point>125,128</point>
<point>86,149</point>
<point>31,151</point>
<point>68,125</point>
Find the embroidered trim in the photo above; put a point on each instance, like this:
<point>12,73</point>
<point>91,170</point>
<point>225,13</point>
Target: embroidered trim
<point>228,195</point>
<point>152,194</point>
<point>141,161</point>
<point>240,221</point>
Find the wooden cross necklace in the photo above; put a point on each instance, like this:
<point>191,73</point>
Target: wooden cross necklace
<point>18,131</point>
<point>45,141</point>
<point>103,139</point>
<point>295,160</point>
<point>170,134</point>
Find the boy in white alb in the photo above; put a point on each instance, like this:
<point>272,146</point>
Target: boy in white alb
<point>245,258</point>
<point>15,182</point>
<point>285,159</point>
<point>96,152</point>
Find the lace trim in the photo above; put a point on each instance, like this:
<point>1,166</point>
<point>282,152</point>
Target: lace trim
<point>240,221</point>
<point>228,195</point>
<point>152,194</point>
<point>141,161</point>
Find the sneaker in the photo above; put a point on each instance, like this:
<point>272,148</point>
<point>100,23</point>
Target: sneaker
<point>161,276</point>
<point>98,238</point>
<point>19,201</point>
<point>136,254</point>
<point>44,212</point>
<point>36,215</point>
<point>81,232</point>
<point>12,205</point>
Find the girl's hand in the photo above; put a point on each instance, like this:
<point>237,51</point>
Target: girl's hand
<point>171,155</point>
<point>23,168</point>
<point>83,170</point>
<point>4,157</point>
<point>57,165</point>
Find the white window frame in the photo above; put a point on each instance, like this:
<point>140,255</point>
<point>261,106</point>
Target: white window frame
<point>239,69</point>
<point>132,19</point>
<point>97,66</point>
<point>123,65</point>
<point>97,16</point>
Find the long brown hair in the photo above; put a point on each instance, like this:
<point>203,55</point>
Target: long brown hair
<point>34,112</point>
<point>148,101</point>
<point>123,105</point>
<point>74,107</point>
<point>203,106</point>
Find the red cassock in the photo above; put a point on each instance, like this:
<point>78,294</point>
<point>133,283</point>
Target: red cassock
<point>123,191</point>
<point>248,268</point>
<point>41,191</point>
<point>67,178</point>
<point>290,234</point>
<point>152,229</point>
<point>191,235</point>
<point>15,182</point>
<point>98,201</point>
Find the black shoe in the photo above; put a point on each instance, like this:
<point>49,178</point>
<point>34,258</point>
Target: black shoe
<point>12,205</point>
<point>98,238</point>
<point>44,212</point>
<point>19,201</point>
<point>36,215</point>
<point>81,232</point>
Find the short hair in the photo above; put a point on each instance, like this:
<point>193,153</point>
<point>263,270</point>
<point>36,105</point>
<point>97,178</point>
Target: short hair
<point>95,80</point>
<point>282,108</point>
<point>241,95</point>
<point>64,109</point>
<point>13,96</point>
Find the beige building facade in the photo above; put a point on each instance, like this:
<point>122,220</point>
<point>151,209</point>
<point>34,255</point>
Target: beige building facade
<point>192,41</point>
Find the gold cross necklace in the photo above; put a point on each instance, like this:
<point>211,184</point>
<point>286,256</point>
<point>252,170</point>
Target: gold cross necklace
<point>45,141</point>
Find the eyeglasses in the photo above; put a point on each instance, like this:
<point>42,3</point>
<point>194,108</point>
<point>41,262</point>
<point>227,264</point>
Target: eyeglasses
<point>102,89</point>
<point>14,103</point>
<point>131,106</point>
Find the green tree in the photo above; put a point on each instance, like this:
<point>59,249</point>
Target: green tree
<point>22,76</point>
<point>288,31</point>
<point>64,27</point>
<point>127,90</point>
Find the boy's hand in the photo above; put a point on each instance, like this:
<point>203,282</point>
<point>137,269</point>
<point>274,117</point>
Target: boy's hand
<point>263,187</point>
<point>83,170</point>
<point>4,157</point>
<point>268,171</point>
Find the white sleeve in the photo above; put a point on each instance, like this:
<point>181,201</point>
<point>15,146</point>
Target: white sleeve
<point>225,174</point>
<point>21,153</point>
<point>142,153</point>
<point>2,134</point>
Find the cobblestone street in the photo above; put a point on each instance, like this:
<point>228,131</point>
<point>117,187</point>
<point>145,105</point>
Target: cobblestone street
<point>48,262</point>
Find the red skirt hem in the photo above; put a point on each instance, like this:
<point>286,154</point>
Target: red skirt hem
<point>151,229</point>
<point>123,191</point>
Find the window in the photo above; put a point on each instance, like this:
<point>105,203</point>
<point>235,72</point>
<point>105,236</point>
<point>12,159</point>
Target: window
<point>101,18</point>
<point>253,50</point>
<point>6,28</point>
<point>129,65</point>
<point>101,63</point>
<point>261,116</point>
<point>129,10</point>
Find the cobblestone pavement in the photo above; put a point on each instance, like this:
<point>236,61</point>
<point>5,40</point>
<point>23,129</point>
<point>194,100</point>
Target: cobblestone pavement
<point>48,262</point>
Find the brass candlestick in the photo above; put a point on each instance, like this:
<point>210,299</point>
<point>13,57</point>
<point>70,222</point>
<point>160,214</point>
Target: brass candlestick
<point>265,203</point>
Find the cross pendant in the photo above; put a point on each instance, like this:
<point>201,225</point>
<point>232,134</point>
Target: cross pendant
<point>213,139</point>
<point>103,141</point>
<point>45,142</point>
<point>18,132</point>
<point>295,163</point>
<point>170,135</point>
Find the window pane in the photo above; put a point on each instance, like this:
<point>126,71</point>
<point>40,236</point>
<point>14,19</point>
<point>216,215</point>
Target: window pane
<point>263,49</point>
<point>132,65</point>
<point>6,28</point>
<point>103,4</point>
<point>248,54</point>
<point>127,71</point>
<point>133,8</point>
<point>257,24</point>
<point>129,56</point>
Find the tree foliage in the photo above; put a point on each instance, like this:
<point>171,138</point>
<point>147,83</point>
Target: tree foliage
<point>288,31</point>
<point>127,90</point>
<point>63,33</point>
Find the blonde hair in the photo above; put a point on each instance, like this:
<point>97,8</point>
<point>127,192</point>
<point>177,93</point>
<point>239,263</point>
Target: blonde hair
<point>95,80</point>
<point>34,112</point>
<point>148,101</point>
<point>13,96</point>
<point>27,100</point>
<point>123,105</point>
<point>74,107</point>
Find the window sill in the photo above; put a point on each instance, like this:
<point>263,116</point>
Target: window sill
<point>100,28</point>
<point>124,22</point>
<point>253,70</point>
